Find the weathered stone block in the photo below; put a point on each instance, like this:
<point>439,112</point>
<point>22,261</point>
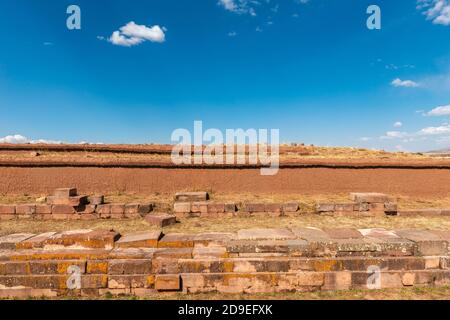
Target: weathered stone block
<point>177,240</point>
<point>145,208</point>
<point>97,239</point>
<point>43,209</point>
<point>254,207</point>
<point>161,220</point>
<point>168,282</point>
<point>290,207</point>
<point>261,234</point>
<point>230,207</point>
<point>130,281</point>
<point>182,207</point>
<point>63,209</point>
<point>65,192</point>
<point>191,196</point>
<point>369,197</point>
<point>428,243</point>
<point>96,200</point>
<point>325,207</point>
<point>216,207</point>
<point>7,209</point>
<point>35,242</point>
<point>138,266</point>
<point>25,209</point>
<point>10,241</point>
<point>147,239</point>
<point>343,233</point>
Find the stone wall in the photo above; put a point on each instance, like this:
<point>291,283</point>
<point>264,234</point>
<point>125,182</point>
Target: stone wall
<point>93,263</point>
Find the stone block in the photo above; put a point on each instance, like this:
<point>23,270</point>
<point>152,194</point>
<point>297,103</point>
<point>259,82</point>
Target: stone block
<point>65,192</point>
<point>343,233</point>
<point>182,207</point>
<point>10,241</point>
<point>191,196</point>
<point>344,207</point>
<point>147,239</point>
<point>216,207</point>
<point>63,209</point>
<point>177,240</point>
<point>212,238</point>
<point>311,234</point>
<point>230,207</point>
<point>26,209</point>
<point>145,208</point>
<point>273,208</point>
<point>254,207</point>
<point>7,209</point>
<point>97,267</point>
<point>130,281</point>
<point>96,200</point>
<point>71,201</point>
<point>290,207</point>
<point>161,220</point>
<point>262,234</point>
<point>391,208</point>
<point>325,207</point>
<point>428,243</point>
<point>97,239</point>
<point>138,266</point>
<point>168,282</point>
<point>43,209</point>
<point>37,241</point>
<point>369,197</point>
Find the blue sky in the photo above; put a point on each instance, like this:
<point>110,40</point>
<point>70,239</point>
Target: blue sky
<point>309,68</point>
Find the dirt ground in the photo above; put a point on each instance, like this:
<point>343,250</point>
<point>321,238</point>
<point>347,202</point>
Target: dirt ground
<point>306,181</point>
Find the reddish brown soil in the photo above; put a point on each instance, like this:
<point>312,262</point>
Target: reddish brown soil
<point>409,182</point>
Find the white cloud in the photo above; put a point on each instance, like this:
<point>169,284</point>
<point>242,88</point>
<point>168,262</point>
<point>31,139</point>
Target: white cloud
<point>404,83</point>
<point>239,6</point>
<point>19,139</point>
<point>394,135</point>
<point>398,124</point>
<point>437,11</point>
<point>133,34</point>
<point>232,34</point>
<point>439,111</point>
<point>444,129</point>
<point>365,139</point>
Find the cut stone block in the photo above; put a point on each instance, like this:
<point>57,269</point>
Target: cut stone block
<point>379,233</point>
<point>43,209</point>
<point>35,242</point>
<point>390,208</point>
<point>420,212</point>
<point>145,208</point>
<point>254,207</point>
<point>212,238</point>
<point>311,234</point>
<point>230,207</point>
<point>182,207</point>
<point>7,209</point>
<point>161,220</point>
<point>147,239</point>
<point>135,266</point>
<point>325,207</point>
<point>290,207</point>
<point>70,201</point>
<point>191,196</point>
<point>344,207</point>
<point>98,239</point>
<point>168,282</point>
<point>343,233</point>
<point>65,192</point>
<point>216,207</point>
<point>96,200</point>
<point>369,197</point>
<point>177,240</point>
<point>261,234</point>
<point>62,209</point>
<point>428,243</point>
<point>10,241</point>
<point>25,209</point>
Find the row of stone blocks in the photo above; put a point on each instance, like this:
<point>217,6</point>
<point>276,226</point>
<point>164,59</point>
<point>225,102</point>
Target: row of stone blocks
<point>251,260</point>
<point>65,203</point>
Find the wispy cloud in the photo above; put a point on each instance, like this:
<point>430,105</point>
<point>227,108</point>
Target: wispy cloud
<point>439,111</point>
<point>438,11</point>
<point>20,139</point>
<point>404,83</point>
<point>398,124</point>
<point>239,6</point>
<point>133,34</point>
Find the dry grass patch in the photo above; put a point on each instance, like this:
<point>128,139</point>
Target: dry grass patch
<point>198,225</point>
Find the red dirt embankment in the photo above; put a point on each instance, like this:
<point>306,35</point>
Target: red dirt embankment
<point>409,182</point>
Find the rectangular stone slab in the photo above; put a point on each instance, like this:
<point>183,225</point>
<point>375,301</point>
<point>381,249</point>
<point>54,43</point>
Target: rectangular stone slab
<point>262,234</point>
<point>35,242</point>
<point>147,239</point>
<point>10,241</point>
<point>191,196</point>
